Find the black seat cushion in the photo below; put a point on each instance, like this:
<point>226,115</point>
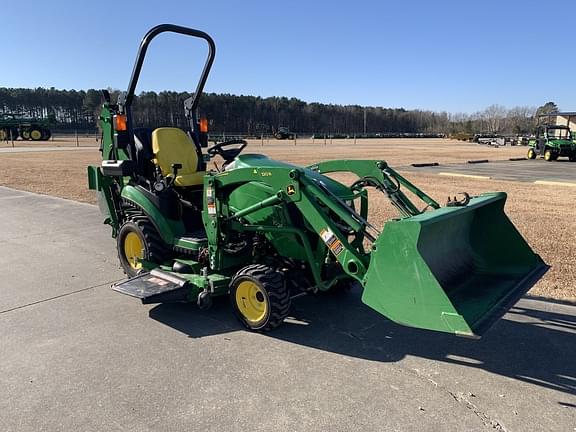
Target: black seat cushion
<point>142,152</point>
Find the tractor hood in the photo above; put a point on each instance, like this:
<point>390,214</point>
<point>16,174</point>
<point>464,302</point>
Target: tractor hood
<point>259,161</point>
<point>562,143</point>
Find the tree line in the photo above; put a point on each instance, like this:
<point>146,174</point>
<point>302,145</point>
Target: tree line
<point>254,115</point>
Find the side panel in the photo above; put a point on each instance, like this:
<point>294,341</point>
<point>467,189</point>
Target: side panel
<point>251,193</point>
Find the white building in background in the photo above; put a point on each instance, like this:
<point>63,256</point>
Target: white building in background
<point>566,119</point>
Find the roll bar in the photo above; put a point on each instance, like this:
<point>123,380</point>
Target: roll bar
<point>164,28</point>
<point>125,99</point>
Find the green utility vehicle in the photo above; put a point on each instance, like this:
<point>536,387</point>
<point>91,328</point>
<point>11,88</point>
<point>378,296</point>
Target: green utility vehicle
<point>262,231</point>
<point>552,142</point>
<point>13,126</point>
<point>283,133</point>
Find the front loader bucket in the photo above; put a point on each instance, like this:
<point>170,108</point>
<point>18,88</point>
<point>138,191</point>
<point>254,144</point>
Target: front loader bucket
<point>454,270</point>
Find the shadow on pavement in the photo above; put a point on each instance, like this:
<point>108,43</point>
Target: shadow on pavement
<point>534,345</point>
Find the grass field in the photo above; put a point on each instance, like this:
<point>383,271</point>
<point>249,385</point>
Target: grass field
<point>543,214</point>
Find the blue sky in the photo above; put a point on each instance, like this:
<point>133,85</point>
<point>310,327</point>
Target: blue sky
<point>456,56</point>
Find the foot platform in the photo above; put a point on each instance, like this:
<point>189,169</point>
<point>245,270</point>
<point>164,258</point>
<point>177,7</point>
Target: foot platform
<point>154,287</point>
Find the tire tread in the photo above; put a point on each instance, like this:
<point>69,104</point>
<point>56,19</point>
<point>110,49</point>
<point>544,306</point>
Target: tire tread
<point>278,294</point>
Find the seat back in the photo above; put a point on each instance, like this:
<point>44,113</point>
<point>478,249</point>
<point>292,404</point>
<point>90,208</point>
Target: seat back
<point>141,151</point>
<point>174,146</point>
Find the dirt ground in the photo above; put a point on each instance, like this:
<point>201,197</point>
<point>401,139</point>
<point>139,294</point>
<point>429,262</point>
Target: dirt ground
<point>543,214</point>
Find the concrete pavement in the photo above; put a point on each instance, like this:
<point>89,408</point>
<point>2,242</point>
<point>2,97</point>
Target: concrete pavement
<point>75,355</point>
<point>561,171</point>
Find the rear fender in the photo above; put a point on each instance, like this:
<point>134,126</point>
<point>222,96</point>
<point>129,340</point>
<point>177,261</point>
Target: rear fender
<point>168,229</point>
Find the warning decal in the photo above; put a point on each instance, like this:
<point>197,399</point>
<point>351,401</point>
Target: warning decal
<point>331,241</point>
<point>210,202</point>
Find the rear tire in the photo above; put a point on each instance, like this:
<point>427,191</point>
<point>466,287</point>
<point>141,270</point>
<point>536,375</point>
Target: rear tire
<point>548,156</point>
<point>35,134</point>
<point>260,297</point>
<point>25,134</point>
<point>138,239</point>
<point>531,154</point>
<point>572,157</point>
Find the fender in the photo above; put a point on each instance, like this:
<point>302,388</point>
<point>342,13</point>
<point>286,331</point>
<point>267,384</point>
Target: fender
<point>168,229</point>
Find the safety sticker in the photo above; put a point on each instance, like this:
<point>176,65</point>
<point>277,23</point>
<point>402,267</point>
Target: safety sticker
<point>331,241</point>
<point>210,202</point>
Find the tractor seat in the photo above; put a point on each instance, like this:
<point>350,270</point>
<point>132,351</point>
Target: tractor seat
<point>174,146</point>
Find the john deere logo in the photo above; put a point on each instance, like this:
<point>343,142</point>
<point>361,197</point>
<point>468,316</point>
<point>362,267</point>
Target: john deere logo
<point>290,190</point>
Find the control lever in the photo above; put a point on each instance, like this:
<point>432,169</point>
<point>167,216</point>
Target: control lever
<point>175,168</point>
<point>165,182</point>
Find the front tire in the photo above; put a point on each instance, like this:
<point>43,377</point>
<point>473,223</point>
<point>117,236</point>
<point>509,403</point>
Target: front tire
<point>138,240</point>
<point>46,134</point>
<point>260,297</point>
<point>531,154</point>
<point>25,134</point>
<point>548,156</point>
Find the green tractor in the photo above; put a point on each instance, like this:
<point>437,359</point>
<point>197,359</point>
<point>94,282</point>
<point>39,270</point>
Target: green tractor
<point>552,142</point>
<point>262,231</point>
<point>13,126</point>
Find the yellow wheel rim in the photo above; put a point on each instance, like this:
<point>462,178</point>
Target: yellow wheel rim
<point>547,156</point>
<point>25,134</point>
<point>133,250</point>
<point>36,134</point>
<point>3,135</point>
<point>251,302</point>
<point>530,152</point>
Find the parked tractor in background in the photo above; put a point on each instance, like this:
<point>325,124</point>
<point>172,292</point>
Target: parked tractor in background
<point>13,126</point>
<point>283,133</point>
<point>552,142</point>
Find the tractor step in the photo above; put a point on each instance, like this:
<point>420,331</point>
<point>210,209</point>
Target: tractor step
<point>154,287</point>
<point>196,236</point>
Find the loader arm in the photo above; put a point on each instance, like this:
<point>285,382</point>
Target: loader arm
<point>378,174</point>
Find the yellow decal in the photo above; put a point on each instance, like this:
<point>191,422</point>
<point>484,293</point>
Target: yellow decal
<point>331,241</point>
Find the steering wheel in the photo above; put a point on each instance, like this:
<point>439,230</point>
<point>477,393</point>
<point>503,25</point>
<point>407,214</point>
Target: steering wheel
<point>227,154</point>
